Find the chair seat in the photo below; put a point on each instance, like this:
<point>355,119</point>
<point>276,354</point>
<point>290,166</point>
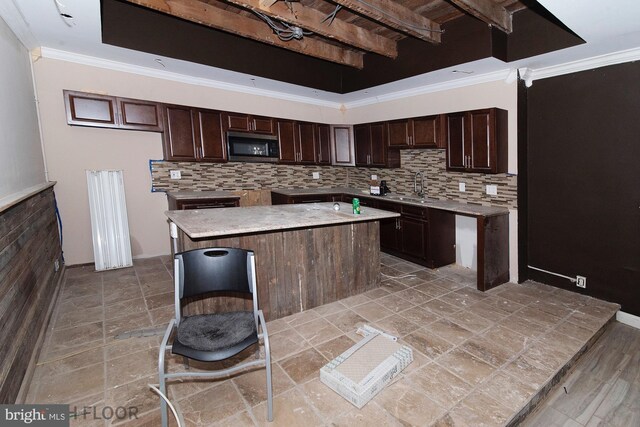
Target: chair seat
<point>212,337</point>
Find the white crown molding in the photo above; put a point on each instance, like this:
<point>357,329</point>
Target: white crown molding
<point>586,64</point>
<point>176,77</point>
<point>628,319</point>
<point>436,87</point>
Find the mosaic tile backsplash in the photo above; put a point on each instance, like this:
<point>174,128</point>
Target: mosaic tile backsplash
<point>440,184</point>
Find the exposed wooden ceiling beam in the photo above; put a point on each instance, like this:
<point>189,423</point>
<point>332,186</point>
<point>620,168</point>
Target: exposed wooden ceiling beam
<point>204,14</point>
<point>487,11</point>
<point>312,20</point>
<point>396,16</point>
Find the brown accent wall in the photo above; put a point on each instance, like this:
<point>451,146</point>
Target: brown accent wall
<point>583,160</point>
<point>28,247</point>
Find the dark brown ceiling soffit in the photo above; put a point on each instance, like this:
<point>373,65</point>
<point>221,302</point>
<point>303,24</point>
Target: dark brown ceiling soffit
<point>204,14</point>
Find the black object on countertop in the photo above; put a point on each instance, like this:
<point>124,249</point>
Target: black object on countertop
<point>383,188</point>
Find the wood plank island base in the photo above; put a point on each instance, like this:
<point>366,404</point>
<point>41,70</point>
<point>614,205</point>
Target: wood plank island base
<point>306,255</point>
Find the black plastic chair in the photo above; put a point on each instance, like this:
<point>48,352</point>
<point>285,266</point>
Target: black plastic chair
<point>214,337</point>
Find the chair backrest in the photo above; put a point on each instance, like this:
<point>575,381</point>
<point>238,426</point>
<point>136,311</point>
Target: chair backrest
<point>201,271</point>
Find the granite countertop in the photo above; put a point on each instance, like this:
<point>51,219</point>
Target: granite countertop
<point>254,219</point>
<point>178,195</point>
<point>447,205</point>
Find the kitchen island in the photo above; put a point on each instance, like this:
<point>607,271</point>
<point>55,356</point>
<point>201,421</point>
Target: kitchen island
<point>306,255</point>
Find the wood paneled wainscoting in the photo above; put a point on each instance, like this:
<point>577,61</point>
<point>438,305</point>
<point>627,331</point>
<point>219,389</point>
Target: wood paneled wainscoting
<point>29,246</point>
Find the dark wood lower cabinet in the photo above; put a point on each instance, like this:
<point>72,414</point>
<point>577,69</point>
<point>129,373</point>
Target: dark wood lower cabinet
<point>200,203</point>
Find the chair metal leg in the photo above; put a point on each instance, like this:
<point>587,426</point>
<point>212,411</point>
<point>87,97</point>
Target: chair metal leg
<point>161,373</point>
<point>267,354</point>
<point>269,388</point>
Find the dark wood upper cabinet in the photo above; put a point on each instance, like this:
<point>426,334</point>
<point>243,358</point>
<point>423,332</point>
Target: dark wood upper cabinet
<point>248,123</point>
<point>306,142</point>
<point>477,141</point>
<point>298,142</point>
<point>418,132</point>
<point>88,109</point>
<point>193,134</point>
<point>323,144</point>
<point>210,135</point>
<point>287,140</point>
<point>370,142</point>
<point>140,115</point>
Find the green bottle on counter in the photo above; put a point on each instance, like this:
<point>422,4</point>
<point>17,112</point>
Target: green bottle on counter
<point>356,206</point>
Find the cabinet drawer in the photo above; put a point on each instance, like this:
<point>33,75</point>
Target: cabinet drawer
<point>415,211</point>
<point>206,203</point>
<point>389,206</point>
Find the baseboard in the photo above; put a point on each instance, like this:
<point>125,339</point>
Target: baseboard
<point>628,319</point>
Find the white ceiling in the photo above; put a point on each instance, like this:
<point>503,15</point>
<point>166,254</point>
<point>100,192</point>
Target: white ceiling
<point>610,28</point>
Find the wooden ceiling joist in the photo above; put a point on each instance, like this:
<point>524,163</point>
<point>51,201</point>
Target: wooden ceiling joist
<point>312,20</point>
<point>204,14</point>
<point>396,16</point>
<point>487,11</point>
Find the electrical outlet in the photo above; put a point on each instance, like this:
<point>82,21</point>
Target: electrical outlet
<point>581,281</point>
<point>462,187</point>
<point>175,174</point>
<point>374,177</point>
<point>315,175</point>
<point>492,190</point>
<point>56,265</point>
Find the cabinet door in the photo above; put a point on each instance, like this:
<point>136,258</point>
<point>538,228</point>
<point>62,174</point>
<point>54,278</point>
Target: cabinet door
<point>413,236</point>
<point>342,149</point>
<point>362,144</point>
<point>260,124</point>
<point>286,137</point>
<point>442,238</point>
<point>456,154</point>
<point>305,133</point>
<point>323,144</point>
<point>140,115</point>
<point>211,141</point>
<point>389,228</point>
<point>179,134</point>
<point>425,132</point>
<point>479,135</point>
<point>399,133</point>
<point>378,144</point>
<point>85,109</point>
<point>237,122</point>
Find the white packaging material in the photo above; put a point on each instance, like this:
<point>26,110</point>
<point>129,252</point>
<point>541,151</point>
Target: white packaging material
<point>366,368</point>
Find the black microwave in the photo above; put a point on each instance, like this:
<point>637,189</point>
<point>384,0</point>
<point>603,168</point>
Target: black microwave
<point>248,147</point>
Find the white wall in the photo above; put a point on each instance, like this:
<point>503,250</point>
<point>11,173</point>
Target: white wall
<point>21,163</point>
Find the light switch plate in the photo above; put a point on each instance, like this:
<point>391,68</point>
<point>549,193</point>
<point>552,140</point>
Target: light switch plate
<point>315,175</point>
<point>492,190</point>
<point>462,187</point>
<point>175,174</point>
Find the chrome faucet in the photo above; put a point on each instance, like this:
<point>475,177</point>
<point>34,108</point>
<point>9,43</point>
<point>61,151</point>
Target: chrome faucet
<point>418,187</point>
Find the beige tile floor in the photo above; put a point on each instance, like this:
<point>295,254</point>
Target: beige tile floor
<point>480,358</point>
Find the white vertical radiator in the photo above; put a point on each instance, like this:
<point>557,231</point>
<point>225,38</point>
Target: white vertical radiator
<point>109,224</point>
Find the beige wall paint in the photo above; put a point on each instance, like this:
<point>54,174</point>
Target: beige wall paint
<point>21,163</point>
<point>72,150</point>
